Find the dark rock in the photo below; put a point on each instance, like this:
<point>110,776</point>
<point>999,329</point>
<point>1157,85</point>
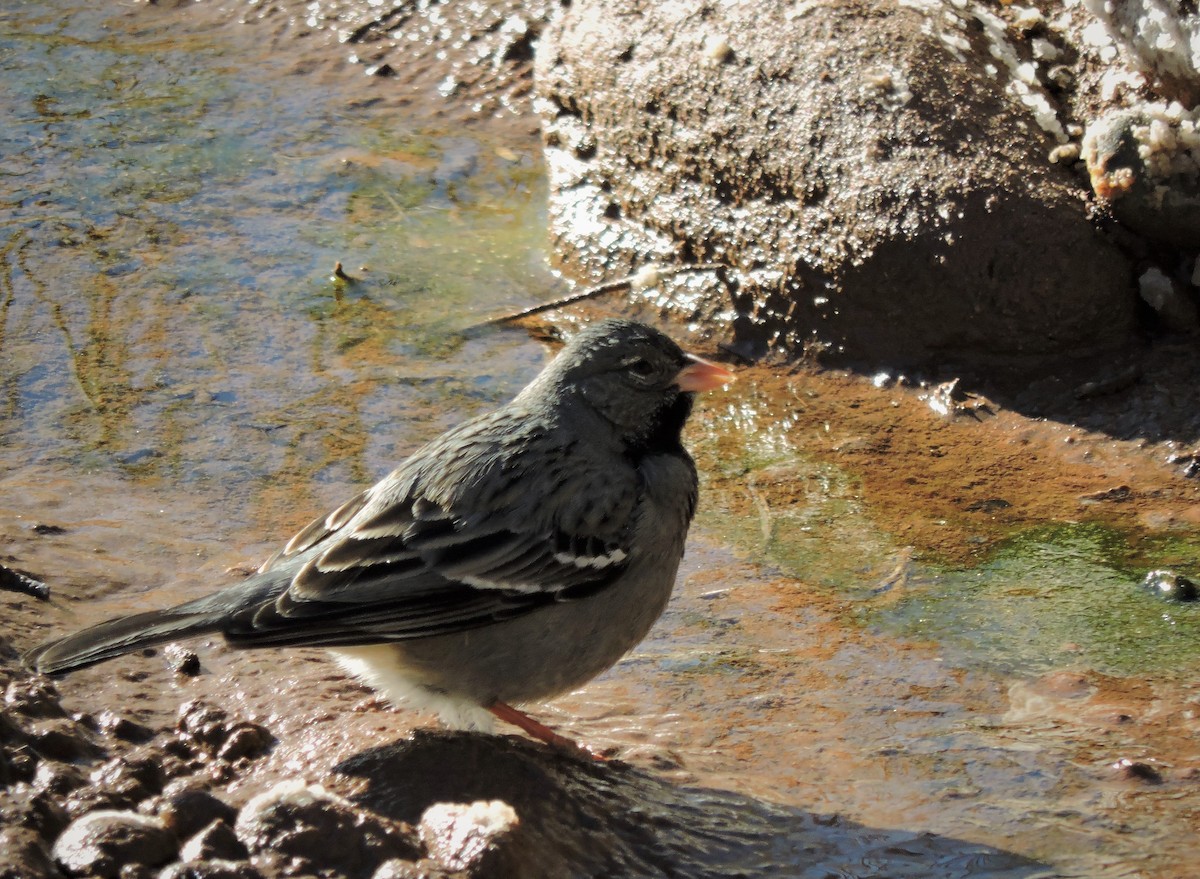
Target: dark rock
<point>136,871</point>
<point>17,763</point>
<point>34,698</point>
<point>314,830</point>
<point>134,777</point>
<point>1165,209</point>
<point>22,583</point>
<point>10,730</point>
<point>24,856</point>
<point>246,740</point>
<point>204,724</point>
<point>102,843</point>
<point>880,193</point>
<point>1137,770</point>
<point>186,810</point>
<point>1171,586</point>
<point>213,869</point>
<point>47,528</point>
<point>217,841</point>
<point>58,779</point>
<point>63,739</point>
<point>112,724</point>
<point>182,660</point>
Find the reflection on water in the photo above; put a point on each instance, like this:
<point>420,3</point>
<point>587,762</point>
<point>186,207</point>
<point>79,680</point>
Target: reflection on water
<point>173,212</point>
<point>183,382</point>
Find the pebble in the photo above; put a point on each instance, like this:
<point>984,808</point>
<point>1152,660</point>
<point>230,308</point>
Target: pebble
<point>110,723</point>
<point>134,777</point>
<point>22,854</point>
<point>182,660</point>
<point>62,739</point>
<point>1171,586</point>
<point>102,843</point>
<point>34,698</point>
<point>468,836</point>
<point>217,841</point>
<point>246,739</point>
<point>211,869</point>
<point>313,830</point>
<point>186,810</point>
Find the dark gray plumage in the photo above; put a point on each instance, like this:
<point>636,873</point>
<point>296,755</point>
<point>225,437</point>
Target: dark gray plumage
<point>511,559</point>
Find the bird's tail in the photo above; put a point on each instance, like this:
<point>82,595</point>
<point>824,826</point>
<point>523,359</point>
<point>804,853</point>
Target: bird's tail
<point>117,637</point>
<point>123,635</point>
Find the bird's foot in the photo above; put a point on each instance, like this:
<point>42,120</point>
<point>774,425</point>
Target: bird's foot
<point>542,732</point>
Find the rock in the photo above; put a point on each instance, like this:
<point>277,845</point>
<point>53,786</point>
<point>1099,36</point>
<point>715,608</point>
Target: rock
<point>187,810</point>
<point>132,778</point>
<point>23,856</point>
<point>875,173</point>
<point>1171,586</point>
<point>58,779</point>
<point>34,698</point>
<point>212,869</point>
<point>315,830</point>
<point>398,869</point>
<point>102,843</point>
<point>217,841</point>
<point>1174,308</point>
<point>182,660</point>
<point>1137,770</point>
<point>1158,39</point>
<point>1145,163</point>
<point>246,740</point>
<point>211,728</point>
<point>110,723</point>
<point>470,837</point>
<point>63,739</point>
<point>204,724</point>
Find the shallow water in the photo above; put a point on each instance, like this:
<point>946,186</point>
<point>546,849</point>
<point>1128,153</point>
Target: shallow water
<point>904,620</point>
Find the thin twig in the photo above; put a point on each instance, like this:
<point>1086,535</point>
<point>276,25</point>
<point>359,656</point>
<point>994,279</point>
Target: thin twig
<point>621,284</point>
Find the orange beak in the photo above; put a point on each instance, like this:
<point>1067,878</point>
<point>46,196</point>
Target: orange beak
<point>700,375</point>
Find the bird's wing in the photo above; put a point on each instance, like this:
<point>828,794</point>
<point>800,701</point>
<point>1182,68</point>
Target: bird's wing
<point>392,564</point>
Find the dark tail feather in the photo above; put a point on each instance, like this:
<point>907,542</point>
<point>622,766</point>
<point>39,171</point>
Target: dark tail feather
<point>120,636</point>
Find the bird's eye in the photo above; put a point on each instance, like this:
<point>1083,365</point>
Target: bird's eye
<point>641,367</point>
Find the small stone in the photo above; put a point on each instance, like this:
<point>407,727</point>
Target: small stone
<point>57,779</point>
<point>112,724</point>
<point>22,854</point>
<point>313,830</point>
<point>63,739</point>
<point>217,841</point>
<point>467,836</point>
<point>188,810</point>
<point>1137,770</point>
<point>101,843</point>
<point>34,698</point>
<point>211,869</point>
<point>1171,586</point>
<point>134,777</point>
<point>246,740</point>
<point>182,660</point>
<point>205,724</point>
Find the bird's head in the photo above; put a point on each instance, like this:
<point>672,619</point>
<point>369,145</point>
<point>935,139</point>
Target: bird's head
<point>634,377</point>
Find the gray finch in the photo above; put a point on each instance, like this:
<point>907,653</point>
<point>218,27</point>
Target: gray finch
<point>511,559</point>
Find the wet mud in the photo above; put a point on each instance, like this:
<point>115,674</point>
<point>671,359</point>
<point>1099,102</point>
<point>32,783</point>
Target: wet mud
<point>909,637</point>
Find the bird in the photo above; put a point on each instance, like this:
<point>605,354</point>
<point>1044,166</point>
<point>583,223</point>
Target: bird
<point>509,560</point>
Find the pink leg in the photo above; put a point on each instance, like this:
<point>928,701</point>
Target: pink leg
<point>538,730</point>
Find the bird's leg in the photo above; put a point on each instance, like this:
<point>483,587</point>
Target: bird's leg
<point>538,730</point>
